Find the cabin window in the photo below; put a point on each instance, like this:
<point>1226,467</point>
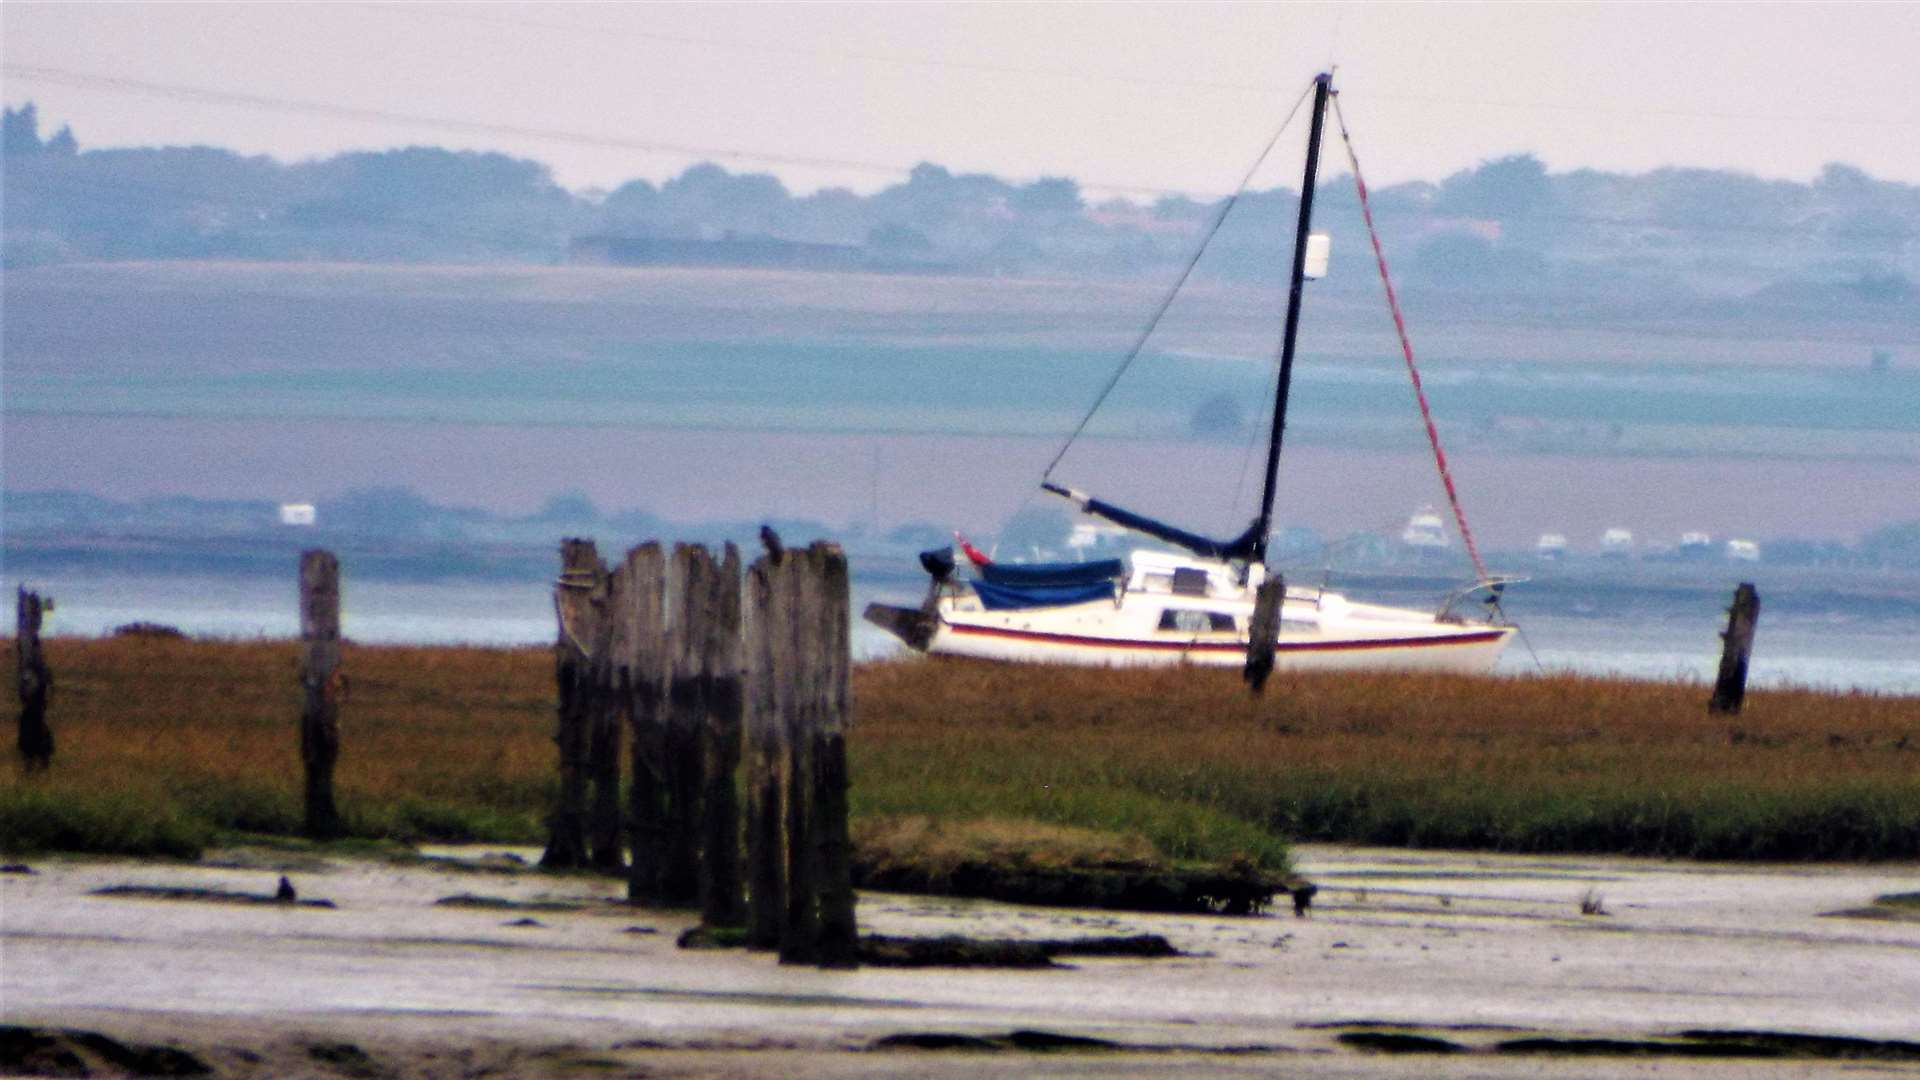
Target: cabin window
<point>1189,621</point>
<point>1189,581</point>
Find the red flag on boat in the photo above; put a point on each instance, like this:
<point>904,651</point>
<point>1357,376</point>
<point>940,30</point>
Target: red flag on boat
<point>974,554</point>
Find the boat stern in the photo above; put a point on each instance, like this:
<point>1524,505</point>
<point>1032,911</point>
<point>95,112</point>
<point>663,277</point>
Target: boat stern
<point>913,626</point>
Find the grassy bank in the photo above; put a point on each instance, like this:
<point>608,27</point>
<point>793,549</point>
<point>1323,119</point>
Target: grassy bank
<point>164,746</point>
<point>1539,764</point>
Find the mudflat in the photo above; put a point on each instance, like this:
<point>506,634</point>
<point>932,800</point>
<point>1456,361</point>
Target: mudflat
<point>1409,964</point>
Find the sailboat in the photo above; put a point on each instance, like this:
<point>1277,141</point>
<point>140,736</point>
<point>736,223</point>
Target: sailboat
<point>1195,604</point>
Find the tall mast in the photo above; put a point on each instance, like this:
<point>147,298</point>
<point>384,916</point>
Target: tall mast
<point>1322,86</point>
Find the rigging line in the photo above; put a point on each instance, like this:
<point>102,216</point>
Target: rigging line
<point>1153,323</point>
<point>1642,111</point>
<point>1252,443</point>
<point>1406,350</point>
<point>1521,633</point>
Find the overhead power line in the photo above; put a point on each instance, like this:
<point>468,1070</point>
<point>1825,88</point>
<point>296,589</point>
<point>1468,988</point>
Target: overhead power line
<point>988,67</point>
<point>985,67</point>
<point>210,96</point>
<point>390,117</point>
<point>207,95</point>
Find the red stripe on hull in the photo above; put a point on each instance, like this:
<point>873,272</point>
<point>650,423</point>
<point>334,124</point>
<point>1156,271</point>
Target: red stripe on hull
<point>1477,637</point>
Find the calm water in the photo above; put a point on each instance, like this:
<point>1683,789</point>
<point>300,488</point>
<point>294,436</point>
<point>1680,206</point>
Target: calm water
<point>1811,635</point>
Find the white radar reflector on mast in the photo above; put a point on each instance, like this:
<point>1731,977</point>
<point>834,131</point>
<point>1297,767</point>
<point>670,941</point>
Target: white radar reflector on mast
<point>1319,250</point>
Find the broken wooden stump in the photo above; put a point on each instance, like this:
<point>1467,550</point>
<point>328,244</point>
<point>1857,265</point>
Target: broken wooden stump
<point>578,600</point>
<point>320,679</point>
<point>1730,689</point>
<point>766,635</point>
<point>830,638</point>
<point>690,575</point>
<point>721,900</point>
<point>33,679</point>
<point>700,665</point>
<point>1262,630</point>
<point>640,674</point>
<point>819,925</point>
<point>606,839</point>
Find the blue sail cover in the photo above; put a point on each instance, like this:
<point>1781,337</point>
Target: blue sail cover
<point>1054,573</point>
<point>1241,547</point>
<point>1007,597</point>
<point>1008,586</point>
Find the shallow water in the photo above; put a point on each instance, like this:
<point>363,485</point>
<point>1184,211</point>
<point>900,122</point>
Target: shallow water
<point>1809,636</point>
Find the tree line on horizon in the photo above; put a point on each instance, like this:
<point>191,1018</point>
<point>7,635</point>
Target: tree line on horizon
<point>1505,225</point>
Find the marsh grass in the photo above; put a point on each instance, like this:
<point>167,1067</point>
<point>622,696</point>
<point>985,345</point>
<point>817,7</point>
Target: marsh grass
<point>938,847</point>
<point>1566,763</point>
<point>166,746</point>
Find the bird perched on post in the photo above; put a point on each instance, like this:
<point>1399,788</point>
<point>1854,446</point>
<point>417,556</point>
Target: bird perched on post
<point>771,541</point>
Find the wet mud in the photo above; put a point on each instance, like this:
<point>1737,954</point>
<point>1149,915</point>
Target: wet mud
<point>1409,964</point>
<point>1199,891</point>
<point>206,896</point>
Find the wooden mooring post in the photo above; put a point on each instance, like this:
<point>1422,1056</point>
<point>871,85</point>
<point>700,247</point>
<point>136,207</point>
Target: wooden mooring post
<point>766,637</point>
<point>33,679</point>
<point>640,674</point>
<point>579,600</point>
<point>690,582</point>
<point>830,642</point>
<point>700,736</point>
<point>320,679</point>
<point>1730,689</point>
<point>721,900</point>
<point>797,657</point>
<point>699,666</point>
<point>606,838</point>
<point>1262,630</point>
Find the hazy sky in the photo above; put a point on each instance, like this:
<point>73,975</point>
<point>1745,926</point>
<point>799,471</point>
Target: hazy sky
<point>1122,96</point>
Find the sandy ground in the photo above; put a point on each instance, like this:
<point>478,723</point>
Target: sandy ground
<point>1472,949</point>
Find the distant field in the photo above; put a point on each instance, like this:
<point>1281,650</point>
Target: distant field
<point>165,746</point>
<point>887,399</point>
<point>152,302</point>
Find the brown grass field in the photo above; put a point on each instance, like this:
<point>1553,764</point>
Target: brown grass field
<point>166,746</point>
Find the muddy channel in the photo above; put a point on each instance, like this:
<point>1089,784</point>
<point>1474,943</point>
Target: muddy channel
<point>1409,964</point>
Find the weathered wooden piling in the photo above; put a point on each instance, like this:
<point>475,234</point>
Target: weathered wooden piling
<point>34,679</point>
<point>578,599</point>
<point>320,678</point>
<point>700,664</point>
<point>765,639</point>
<point>831,643</point>
<point>641,672</point>
<point>692,579</point>
<point>606,840</point>
<point>1262,630</point>
<point>721,899</point>
<point>1730,689</point>
<point>800,924</point>
<point>811,666</point>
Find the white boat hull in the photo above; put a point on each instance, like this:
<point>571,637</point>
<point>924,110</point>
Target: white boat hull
<point>1471,652</point>
<point>1457,649</point>
<point>1146,625</point>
